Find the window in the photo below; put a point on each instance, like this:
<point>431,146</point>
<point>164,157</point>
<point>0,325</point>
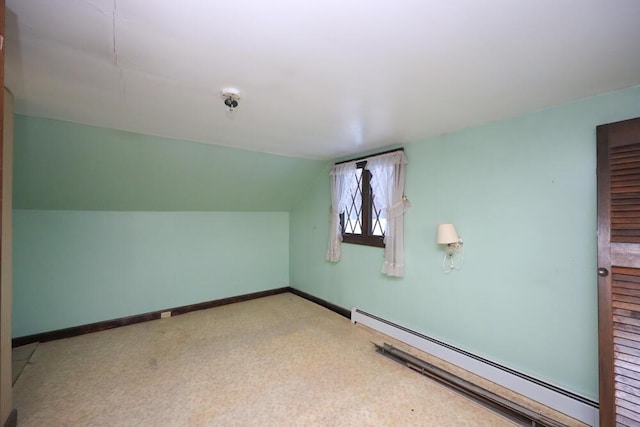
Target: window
<point>368,206</point>
<point>362,221</point>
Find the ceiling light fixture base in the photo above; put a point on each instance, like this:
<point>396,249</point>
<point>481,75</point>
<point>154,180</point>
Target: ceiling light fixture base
<point>231,97</point>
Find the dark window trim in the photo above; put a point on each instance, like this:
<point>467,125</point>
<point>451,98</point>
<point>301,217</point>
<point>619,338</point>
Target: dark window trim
<point>363,239</point>
<point>358,159</point>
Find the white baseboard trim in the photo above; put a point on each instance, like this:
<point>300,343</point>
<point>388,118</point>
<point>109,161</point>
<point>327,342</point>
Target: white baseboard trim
<point>571,404</point>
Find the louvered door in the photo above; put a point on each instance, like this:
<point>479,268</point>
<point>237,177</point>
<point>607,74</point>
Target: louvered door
<point>619,272</point>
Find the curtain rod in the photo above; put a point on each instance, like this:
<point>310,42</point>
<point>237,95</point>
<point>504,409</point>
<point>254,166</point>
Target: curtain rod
<point>369,156</point>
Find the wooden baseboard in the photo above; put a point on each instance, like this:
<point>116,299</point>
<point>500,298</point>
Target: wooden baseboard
<point>145,317</point>
<point>12,419</point>
<point>138,318</point>
<point>326,304</point>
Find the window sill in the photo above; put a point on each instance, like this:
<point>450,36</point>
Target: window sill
<point>357,239</point>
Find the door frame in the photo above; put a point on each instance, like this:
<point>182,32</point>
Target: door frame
<point>607,135</point>
<point>605,311</point>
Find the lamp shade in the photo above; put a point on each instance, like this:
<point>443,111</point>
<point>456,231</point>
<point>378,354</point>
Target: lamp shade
<point>447,234</point>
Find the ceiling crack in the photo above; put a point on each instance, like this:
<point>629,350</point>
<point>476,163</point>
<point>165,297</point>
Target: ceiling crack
<point>115,51</point>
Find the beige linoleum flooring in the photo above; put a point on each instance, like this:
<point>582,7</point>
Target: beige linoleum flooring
<point>275,361</point>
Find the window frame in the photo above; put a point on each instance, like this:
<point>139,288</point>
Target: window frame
<point>366,238</point>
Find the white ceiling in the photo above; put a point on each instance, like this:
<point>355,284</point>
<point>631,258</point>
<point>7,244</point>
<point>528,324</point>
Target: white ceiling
<point>317,79</point>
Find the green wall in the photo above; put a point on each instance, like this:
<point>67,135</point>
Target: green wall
<point>111,224</point>
<point>522,194</point>
<point>67,166</point>
<point>77,267</point>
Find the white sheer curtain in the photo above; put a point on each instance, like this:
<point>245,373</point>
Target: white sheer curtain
<point>387,182</point>
<point>342,177</point>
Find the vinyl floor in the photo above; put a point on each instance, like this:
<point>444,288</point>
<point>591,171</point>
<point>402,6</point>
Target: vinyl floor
<point>275,361</point>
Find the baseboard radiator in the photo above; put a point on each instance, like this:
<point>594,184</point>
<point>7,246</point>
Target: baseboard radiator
<point>561,400</point>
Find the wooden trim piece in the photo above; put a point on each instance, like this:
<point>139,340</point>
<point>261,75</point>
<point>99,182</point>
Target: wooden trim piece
<point>358,159</point>
<point>359,239</point>
<point>12,419</point>
<point>618,226</point>
<point>145,317</point>
<point>622,133</point>
<point>5,285</point>
<point>366,236</point>
<point>226,301</point>
<point>6,400</point>
<point>605,310</point>
<point>626,254</point>
<point>326,304</point>
<point>138,318</point>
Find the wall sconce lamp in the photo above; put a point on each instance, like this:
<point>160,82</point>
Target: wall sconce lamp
<point>447,236</point>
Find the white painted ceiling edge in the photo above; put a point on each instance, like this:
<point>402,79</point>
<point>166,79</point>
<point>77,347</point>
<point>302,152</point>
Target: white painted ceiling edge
<point>317,80</point>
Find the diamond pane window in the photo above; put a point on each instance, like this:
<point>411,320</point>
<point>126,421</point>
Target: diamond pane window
<point>362,222</point>
<point>379,223</point>
<point>353,213</point>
